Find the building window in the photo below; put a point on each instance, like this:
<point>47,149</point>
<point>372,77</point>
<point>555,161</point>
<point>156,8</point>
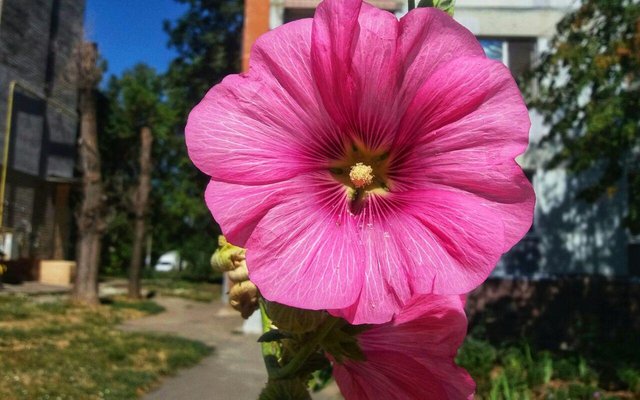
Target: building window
<point>633,225</point>
<point>494,48</point>
<point>634,259</point>
<point>530,174</point>
<point>516,53</point>
<point>294,14</point>
<point>298,9</point>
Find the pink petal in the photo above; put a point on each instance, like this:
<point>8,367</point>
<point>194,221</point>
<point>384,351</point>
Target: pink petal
<point>390,376</point>
<point>356,65</point>
<point>411,357</point>
<point>500,186</point>
<point>479,94</point>
<point>376,77</point>
<point>427,325</point>
<point>436,241</point>
<point>303,253</point>
<point>239,208</point>
<point>469,122</point>
<point>265,126</point>
<point>335,29</point>
<point>451,239</point>
<point>387,284</point>
<point>457,199</point>
<point>428,38</point>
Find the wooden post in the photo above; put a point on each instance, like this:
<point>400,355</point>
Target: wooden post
<point>61,222</point>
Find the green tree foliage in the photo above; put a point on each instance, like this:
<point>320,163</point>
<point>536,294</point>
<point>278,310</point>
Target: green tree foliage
<point>208,41</point>
<point>135,99</point>
<point>587,88</point>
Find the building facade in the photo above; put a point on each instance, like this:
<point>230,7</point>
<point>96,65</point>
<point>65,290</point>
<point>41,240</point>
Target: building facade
<point>568,236</point>
<point>38,117</point>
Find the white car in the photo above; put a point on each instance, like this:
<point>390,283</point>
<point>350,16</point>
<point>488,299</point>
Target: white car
<point>169,262</point>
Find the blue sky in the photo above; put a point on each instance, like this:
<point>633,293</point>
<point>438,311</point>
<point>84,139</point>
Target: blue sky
<point>130,31</point>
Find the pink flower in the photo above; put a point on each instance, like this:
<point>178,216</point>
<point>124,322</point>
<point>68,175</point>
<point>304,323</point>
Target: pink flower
<point>412,357</point>
<point>363,160</point>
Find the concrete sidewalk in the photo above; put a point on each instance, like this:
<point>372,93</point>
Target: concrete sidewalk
<point>234,371</point>
<point>34,288</point>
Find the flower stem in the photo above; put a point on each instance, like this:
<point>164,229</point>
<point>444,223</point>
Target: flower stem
<point>269,349</point>
<point>309,348</point>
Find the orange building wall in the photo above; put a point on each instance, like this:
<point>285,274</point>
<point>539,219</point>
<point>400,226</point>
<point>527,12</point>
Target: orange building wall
<point>256,22</point>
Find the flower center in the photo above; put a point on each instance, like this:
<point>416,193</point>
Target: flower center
<point>363,172</point>
<point>361,175</point>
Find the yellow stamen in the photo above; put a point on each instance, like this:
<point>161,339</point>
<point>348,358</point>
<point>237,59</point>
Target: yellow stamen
<point>361,175</point>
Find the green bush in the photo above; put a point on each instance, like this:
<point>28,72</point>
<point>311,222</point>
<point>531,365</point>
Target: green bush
<point>631,378</point>
<point>478,357</point>
<point>574,368</point>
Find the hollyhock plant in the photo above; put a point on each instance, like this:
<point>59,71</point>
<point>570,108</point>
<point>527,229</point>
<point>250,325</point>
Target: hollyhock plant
<point>364,160</point>
<point>412,357</point>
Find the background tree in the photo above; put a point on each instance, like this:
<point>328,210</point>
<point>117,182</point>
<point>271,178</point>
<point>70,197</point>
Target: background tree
<point>587,89</point>
<point>137,112</point>
<point>208,41</point>
<point>90,213</point>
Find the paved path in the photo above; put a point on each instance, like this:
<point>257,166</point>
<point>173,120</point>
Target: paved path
<point>34,288</point>
<point>233,372</point>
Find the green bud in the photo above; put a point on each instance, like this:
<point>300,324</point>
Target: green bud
<point>227,257</point>
<point>239,274</point>
<point>294,320</point>
<point>444,5</point>
<point>243,297</point>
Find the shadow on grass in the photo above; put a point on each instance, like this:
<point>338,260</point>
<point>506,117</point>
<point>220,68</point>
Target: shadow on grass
<point>146,306</point>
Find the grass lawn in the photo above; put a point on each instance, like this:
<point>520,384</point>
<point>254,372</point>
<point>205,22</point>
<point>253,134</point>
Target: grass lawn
<point>515,372</point>
<point>55,350</point>
<point>170,286</point>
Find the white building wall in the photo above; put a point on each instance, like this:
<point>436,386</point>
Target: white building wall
<point>509,22</point>
<point>569,235</point>
<point>515,4</point>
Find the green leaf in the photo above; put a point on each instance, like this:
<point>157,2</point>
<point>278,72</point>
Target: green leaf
<point>343,344</point>
<point>294,320</point>
<point>315,362</point>
<point>444,5</point>
<point>273,335</point>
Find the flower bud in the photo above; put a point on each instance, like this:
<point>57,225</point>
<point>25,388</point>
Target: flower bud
<point>239,274</point>
<point>243,297</point>
<point>227,257</point>
<point>294,320</point>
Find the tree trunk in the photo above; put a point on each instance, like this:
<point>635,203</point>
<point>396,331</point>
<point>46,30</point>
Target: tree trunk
<point>140,205</point>
<point>90,215</point>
